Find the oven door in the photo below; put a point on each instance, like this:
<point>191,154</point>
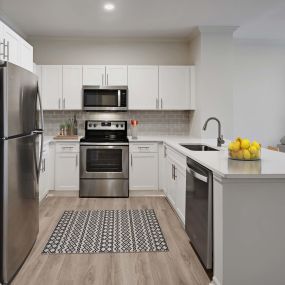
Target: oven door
<point>104,161</point>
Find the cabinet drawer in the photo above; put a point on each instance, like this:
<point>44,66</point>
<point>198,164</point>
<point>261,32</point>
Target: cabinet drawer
<point>67,147</point>
<point>144,147</point>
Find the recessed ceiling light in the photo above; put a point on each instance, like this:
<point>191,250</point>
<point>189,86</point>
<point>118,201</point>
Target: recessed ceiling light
<point>109,6</point>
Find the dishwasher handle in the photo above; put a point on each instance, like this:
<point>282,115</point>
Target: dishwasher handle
<point>197,175</point>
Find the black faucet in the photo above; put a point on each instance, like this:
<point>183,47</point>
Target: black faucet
<point>220,139</point>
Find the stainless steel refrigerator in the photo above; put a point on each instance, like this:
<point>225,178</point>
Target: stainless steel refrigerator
<point>21,136</point>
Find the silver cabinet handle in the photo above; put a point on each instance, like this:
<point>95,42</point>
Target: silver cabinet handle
<point>161,105</point>
<point>174,172</point>
<point>59,103</point>
<point>102,79</point>
<point>63,103</point>
<point>67,147</point>
<point>131,159</point>
<point>156,103</point>
<point>143,147</point>
<point>44,165</point>
<point>107,79</point>
<point>76,161</point>
<point>164,153</point>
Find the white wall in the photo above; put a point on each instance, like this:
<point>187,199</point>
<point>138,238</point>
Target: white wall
<point>259,91</point>
<point>109,51</point>
<point>212,51</point>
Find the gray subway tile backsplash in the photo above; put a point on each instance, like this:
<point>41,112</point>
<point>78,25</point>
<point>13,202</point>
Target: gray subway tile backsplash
<point>150,122</point>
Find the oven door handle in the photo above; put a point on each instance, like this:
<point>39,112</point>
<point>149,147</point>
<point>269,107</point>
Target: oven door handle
<point>104,144</point>
<point>197,175</point>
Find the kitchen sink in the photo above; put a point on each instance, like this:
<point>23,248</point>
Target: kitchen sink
<point>199,147</point>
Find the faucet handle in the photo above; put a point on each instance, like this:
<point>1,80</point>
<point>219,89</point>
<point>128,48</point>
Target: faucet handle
<point>221,140</point>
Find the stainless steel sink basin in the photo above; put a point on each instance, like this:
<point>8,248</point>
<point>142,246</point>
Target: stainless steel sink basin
<point>199,147</point>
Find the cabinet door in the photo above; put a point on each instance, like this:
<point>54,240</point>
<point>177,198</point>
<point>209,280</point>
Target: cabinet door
<point>14,45</point>
<point>44,175</point>
<point>116,75</point>
<point>180,191</point>
<point>67,171</point>
<point>1,41</point>
<point>169,181</point>
<point>174,87</point>
<point>26,55</point>
<point>143,171</point>
<point>143,87</point>
<point>94,75</point>
<point>52,87</point>
<point>72,87</point>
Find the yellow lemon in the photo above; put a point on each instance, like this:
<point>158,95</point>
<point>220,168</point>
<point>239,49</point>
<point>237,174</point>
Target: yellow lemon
<point>245,144</point>
<point>234,154</point>
<point>238,139</point>
<point>246,154</point>
<point>240,154</point>
<point>253,149</point>
<point>231,146</point>
<point>236,146</point>
<point>256,144</point>
<point>253,156</point>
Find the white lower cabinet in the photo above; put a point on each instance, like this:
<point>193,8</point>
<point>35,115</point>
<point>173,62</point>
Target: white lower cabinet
<point>175,178</point>
<point>143,166</point>
<point>45,171</point>
<point>66,176</point>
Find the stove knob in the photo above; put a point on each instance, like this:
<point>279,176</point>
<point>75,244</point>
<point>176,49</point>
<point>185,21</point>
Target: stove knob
<point>117,125</point>
<point>89,125</point>
<point>122,126</point>
<point>95,125</point>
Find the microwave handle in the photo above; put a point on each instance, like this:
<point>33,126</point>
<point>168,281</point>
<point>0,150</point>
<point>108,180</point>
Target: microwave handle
<point>119,98</point>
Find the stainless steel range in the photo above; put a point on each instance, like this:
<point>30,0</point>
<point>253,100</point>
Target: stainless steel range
<point>104,160</point>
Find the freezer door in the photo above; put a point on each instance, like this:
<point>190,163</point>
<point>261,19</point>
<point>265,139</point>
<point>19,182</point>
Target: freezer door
<point>20,217</point>
<point>18,99</point>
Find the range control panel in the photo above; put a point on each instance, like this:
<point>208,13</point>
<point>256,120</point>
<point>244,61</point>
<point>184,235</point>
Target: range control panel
<point>106,125</point>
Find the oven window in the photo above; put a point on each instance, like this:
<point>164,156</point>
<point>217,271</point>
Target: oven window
<point>104,160</point>
<point>100,98</point>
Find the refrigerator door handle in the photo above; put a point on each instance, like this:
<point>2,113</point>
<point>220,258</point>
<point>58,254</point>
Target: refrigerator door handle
<point>40,132</point>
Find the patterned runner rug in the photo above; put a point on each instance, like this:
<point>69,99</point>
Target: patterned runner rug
<point>106,231</point>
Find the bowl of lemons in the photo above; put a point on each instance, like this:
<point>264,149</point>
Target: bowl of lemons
<point>244,149</point>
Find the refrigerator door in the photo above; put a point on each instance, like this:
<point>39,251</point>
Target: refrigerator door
<point>18,101</point>
<point>20,206</point>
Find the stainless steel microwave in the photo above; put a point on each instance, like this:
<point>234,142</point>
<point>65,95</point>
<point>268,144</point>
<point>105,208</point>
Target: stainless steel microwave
<point>105,98</point>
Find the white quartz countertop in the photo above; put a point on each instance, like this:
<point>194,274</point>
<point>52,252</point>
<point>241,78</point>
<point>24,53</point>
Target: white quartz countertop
<point>271,165</point>
<point>49,139</point>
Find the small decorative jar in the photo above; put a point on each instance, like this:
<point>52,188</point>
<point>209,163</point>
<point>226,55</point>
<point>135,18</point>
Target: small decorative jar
<point>134,129</point>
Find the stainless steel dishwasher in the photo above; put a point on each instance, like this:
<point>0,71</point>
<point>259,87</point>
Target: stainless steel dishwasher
<point>199,211</point>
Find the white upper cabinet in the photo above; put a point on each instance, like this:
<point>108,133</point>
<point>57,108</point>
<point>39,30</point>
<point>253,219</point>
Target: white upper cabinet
<point>15,49</point>
<point>174,87</point>
<point>26,55</point>
<point>2,57</point>
<point>143,87</point>
<point>94,75</point>
<point>52,87</point>
<point>116,75</point>
<point>14,42</point>
<point>72,87</point>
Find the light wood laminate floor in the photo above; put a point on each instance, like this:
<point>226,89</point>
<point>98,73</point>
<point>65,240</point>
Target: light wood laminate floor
<point>178,266</point>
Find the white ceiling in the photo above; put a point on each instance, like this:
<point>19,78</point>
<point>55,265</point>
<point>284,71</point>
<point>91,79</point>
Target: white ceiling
<point>141,18</point>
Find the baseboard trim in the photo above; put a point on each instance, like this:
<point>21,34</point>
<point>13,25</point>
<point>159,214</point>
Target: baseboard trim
<point>146,193</point>
<point>215,281</point>
<point>63,193</point>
